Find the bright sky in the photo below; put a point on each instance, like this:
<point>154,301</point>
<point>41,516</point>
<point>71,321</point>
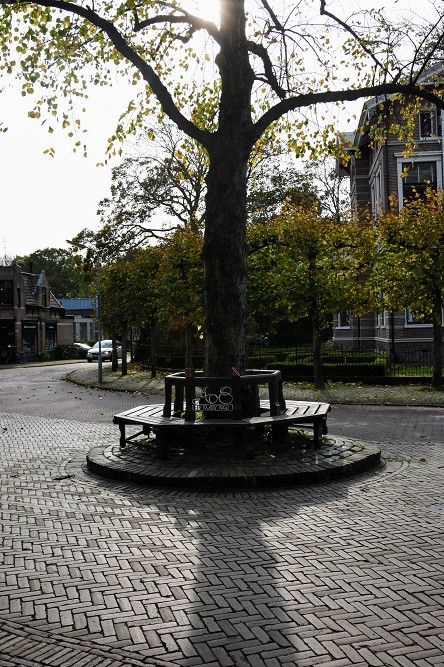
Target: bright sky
<point>46,200</point>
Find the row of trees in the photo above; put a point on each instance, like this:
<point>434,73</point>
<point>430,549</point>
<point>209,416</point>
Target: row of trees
<point>256,63</point>
<point>299,264</point>
<point>67,274</point>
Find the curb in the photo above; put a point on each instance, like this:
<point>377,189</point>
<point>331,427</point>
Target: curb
<point>338,457</point>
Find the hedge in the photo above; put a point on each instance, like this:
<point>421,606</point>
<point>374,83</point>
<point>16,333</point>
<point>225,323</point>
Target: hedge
<point>330,371</point>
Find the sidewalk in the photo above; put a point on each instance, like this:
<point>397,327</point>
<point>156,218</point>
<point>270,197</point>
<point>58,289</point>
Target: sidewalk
<point>338,394</point>
<point>105,573</point>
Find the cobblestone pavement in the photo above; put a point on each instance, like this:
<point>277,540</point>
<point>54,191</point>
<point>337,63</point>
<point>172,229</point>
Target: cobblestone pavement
<point>107,574</point>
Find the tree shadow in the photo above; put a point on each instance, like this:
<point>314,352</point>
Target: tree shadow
<point>228,578</point>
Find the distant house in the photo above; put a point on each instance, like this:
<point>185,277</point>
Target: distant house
<point>31,318</point>
<point>379,168</point>
<point>84,313</point>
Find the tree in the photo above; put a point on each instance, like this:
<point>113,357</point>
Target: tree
<point>129,295</point>
<point>307,265</point>
<point>333,189</point>
<point>153,191</point>
<point>263,69</point>
<point>179,285</point>
<point>273,185</point>
<point>63,272</point>
<point>411,264</point>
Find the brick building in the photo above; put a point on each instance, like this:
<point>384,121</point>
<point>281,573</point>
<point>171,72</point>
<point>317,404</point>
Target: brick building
<point>31,318</point>
<point>379,168</point>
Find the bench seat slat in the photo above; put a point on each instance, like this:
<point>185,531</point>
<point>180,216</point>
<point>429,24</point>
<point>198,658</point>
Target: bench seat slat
<point>152,415</point>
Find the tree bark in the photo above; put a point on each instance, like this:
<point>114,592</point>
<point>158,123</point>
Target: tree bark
<point>189,346</point>
<point>224,252</point>
<point>114,361</point>
<point>317,358</point>
<point>125,350</point>
<point>153,352</point>
<point>225,264</point>
<point>437,345</point>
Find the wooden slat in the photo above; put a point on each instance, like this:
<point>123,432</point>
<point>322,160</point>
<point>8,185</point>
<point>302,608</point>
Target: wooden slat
<point>297,411</point>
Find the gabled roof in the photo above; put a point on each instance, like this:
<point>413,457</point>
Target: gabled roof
<point>431,76</point>
<point>33,283</point>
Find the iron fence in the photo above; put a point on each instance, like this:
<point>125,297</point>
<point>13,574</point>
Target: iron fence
<point>408,361</point>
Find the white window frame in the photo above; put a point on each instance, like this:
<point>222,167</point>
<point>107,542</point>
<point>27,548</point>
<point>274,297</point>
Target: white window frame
<point>376,193</point>
<point>340,325</point>
<point>435,123</point>
<point>410,321</point>
<point>432,156</point>
<point>382,319</point>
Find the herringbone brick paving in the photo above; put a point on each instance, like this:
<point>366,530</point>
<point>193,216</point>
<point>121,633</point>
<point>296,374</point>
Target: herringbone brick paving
<point>101,573</point>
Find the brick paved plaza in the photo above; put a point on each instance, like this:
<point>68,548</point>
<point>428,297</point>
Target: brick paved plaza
<point>101,573</point>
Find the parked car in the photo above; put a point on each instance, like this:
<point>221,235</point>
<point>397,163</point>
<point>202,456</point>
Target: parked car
<point>81,349</point>
<point>107,351</point>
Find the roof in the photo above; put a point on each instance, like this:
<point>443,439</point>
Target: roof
<point>86,303</point>
<point>430,77</point>
<point>33,283</point>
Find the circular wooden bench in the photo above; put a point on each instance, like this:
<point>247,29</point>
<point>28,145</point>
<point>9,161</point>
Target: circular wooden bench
<point>221,405</point>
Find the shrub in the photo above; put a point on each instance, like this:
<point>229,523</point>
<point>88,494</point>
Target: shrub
<point>261,362</point>
<point>331,371</point>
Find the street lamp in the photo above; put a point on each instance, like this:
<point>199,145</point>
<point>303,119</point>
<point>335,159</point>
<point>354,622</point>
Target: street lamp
<point>82,246</point>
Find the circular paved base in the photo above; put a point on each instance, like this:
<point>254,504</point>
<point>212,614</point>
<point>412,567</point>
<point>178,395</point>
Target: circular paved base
<point>221,466</point>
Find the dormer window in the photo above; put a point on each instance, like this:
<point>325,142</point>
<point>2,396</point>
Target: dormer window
<point>430,123</point>
<point>44,296</point>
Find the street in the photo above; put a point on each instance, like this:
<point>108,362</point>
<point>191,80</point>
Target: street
<point>109,574</point>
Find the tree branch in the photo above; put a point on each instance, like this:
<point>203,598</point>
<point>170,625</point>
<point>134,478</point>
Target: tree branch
<point>195,22</point>
<point>353,33</point>
<point>277,24</point>
<point>348,95</point>
<point>148,73</point>
<point>262,53</point>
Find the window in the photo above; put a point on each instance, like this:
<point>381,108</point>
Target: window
<point>381,320</point>
<point>417,177</point>
<point>411,320</point>
<point>83,328</point>
<point>343,320</point>
<point>7,337</point>
<point>29,337</point>
<point>6,293</point>
<point>429,123</point>
<point>376,194</point>
<point>50,336</point>
<point>44,296</point>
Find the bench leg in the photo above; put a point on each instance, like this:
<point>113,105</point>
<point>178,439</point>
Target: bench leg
<point>244,441</point>
<point>249,448</point>
<point>161,444</point>
<point>279,433</point>
<point>317,432</point>
<point>122,436</point>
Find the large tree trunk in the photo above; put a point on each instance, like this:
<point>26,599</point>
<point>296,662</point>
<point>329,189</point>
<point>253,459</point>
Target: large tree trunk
<point>224,253</point>
<point>225,263</point>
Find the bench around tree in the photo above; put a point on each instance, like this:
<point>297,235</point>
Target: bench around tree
<point>229,403</point>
